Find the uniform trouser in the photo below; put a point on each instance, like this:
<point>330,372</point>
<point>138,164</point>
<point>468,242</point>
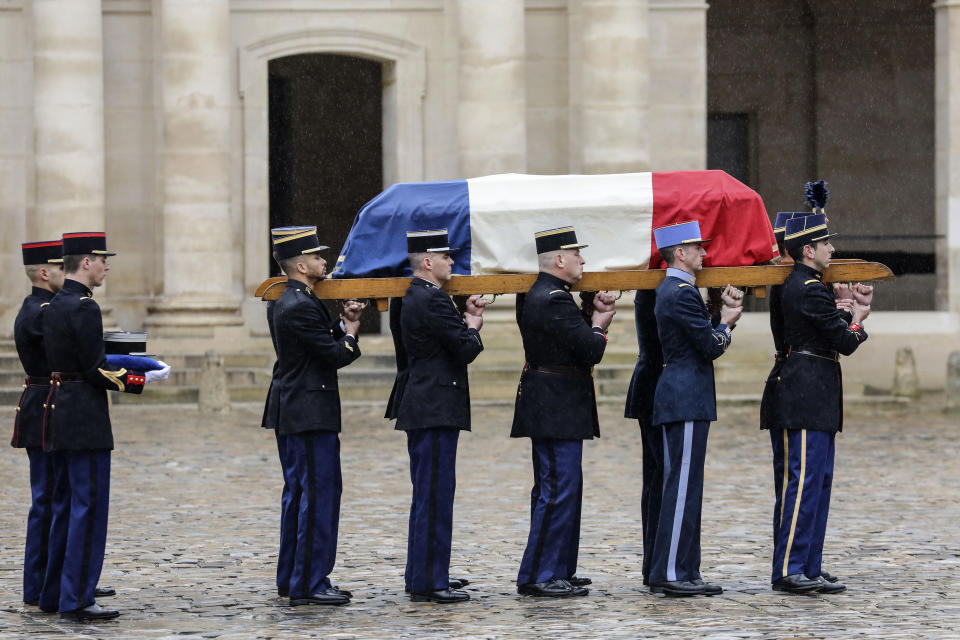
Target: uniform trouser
<point>38,523</point>
<point>433,473</point>
<point>554,540</point>
<point>651,495</point>
<point>289,508</point>
<point>78,529</point>
<point>676,547</point>
<point>314,474</point>
<point>803,476</point>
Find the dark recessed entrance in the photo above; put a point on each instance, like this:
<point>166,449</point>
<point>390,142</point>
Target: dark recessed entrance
<point>326,146</point>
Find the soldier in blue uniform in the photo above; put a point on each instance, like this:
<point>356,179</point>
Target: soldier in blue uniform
<point>77,427</point>
<point>433,406</point>
<point>808,405</point>
<point>556,408</point>
<point>311,347</point>
<point>685,405</point>
<point>639,405</point>
<point>42,262</point>
<point>289,503</point>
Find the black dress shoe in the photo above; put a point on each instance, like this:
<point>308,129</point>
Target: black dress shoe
<point>32,603</point>
<point>551,589</point>
<point>330,595</point>
<point>455,583</point>
<point>283,592</point>
<point>796,583</point>
<point>678,588</point>
<point>442,596</point>
<point>93,612</point>
<point>579,582</point>
<point>337,589</point>
<point>646,581</point>
<point>52,609</point>
<point>708,589</point>
<point>104,592</point>
<point>829,577</point>
<point>829,588</point>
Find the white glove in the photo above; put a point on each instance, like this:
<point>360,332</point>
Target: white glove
<point>158,374</point>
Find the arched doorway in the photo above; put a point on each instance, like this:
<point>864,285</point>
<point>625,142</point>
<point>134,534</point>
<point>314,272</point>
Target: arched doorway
<point>325,122</point>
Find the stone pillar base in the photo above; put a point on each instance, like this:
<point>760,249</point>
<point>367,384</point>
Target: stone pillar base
<point>189,318</point>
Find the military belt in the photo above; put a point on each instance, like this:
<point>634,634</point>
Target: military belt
<point>66,376</point>
<point>561,370</point>
<point>38,381</point>
<point>827,354</point>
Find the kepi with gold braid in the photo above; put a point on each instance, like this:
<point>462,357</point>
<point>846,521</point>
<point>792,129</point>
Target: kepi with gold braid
<point>679,233</point>
<point>289,242</point>
<point>806,230</point>
<point>557,239</point>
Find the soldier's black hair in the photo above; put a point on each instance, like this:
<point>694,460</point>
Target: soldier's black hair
<point>71,263</point>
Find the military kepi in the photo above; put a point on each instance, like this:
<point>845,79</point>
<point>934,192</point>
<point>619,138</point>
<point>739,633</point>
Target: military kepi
<point>42,252</point>
<point>557,239</point>
<point>806,230</point>
<point>679,233</point>
<point>83,243</point>
<point>289,242</point>
<point>434,240</point>
<point>780,225</point>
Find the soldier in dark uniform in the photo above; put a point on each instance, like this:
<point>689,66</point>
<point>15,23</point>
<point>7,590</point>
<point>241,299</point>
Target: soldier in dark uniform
<point>77,427</point>
<point>556,408</point>
<point>289,503</point>
<point>433,406</point>
<point>685,405</point>
<point>42,264</point>
<point>311,347</point>
<point>639,405</point>
<point>808,406</point>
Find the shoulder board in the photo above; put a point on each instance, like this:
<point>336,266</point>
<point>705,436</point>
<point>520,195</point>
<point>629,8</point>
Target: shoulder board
<point>43,304</point>
<point>86,297</point>
<point>555,291</point>
<point>684,284</point>
<point>810,280</point>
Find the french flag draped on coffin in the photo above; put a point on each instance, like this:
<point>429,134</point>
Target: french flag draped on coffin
<point>493,219</point>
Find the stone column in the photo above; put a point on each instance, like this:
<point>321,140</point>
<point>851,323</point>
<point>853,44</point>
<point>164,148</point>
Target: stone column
<point>609,86</point>
<point>492,109</point>
<point>195,95</point>
<point>948,154</point>
<point>68,117</point>
<point>677,119</point>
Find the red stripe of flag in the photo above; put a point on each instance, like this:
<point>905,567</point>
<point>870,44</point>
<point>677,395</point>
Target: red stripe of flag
<point>730,213</point>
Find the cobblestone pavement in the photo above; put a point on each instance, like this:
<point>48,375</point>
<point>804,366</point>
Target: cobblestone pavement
<point>194,518</point>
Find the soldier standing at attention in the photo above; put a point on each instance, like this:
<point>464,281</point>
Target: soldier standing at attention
<point>808,407</point>
<point>311,347</point>
<point>685,405</point>
<point>42,263</point>
<point>556,408</point>
<point>289,503</point>
<point>77,427</point>
<point>433,407</point>
<point>639,405</point>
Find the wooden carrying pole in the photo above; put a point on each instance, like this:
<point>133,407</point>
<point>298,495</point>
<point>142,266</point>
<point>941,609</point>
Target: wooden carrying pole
<point>754,278</point>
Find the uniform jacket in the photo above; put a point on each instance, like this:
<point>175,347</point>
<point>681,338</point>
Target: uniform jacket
<point>438,346</point>
<point>810,393</point>
<point>77,416</point>
<point>271,406</point>
<point>28,336</point>
<point>393,403</point>
<point>691,342</point>
<point>562,403</point>
<point>310,349</point>
<point>646,373</point>
<point>767,402</point>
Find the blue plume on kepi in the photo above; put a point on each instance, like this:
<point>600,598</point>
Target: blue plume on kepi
<point>816,194</point>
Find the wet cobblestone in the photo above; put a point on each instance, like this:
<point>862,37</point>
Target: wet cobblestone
<point>194,518</point>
